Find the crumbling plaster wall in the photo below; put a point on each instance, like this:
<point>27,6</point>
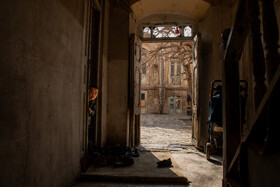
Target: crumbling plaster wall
<point>176,93</point>
<point>167,78</point>
<point>218,19</point>
<point>153,102</point>
<point>40,81</point>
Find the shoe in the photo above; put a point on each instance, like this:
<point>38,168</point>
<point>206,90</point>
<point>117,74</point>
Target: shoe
<point>164,163</point>
<point>135,153</point>
<point>124,162</point>
<point>128,154</point>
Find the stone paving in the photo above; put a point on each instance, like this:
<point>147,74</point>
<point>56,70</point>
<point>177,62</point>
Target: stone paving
<point>165,129</point>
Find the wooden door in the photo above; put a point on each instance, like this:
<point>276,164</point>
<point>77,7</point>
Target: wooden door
<point>195,92</point>
<point>135,90</point>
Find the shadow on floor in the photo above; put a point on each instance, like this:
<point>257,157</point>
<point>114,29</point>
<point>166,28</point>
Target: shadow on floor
<point>144,170</point>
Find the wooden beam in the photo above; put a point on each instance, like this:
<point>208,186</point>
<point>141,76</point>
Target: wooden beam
<point>231,94</point>
<point>235,158</point>
<point>273,84</point>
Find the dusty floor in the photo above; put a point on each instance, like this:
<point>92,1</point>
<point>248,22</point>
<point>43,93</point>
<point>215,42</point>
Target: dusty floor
<point>173,133</point>
<point>166,129</point>
<point>165,136</point>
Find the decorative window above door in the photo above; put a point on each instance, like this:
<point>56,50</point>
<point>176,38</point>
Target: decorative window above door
<point>171,31</point>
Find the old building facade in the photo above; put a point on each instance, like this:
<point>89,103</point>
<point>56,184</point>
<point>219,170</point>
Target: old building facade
<point>165,84</point>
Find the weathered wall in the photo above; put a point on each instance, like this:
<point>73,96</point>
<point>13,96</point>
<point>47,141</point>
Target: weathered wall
<point>118,69</point>
<point>153,101</point>
<point>218,19</point>
<point>40,77</point>
<point>176,93</point>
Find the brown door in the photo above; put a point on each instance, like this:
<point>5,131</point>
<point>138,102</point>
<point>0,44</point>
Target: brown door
<point>195,92</point>
<point>135,90</point>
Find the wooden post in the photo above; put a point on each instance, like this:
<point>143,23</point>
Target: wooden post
<point>257,52</point>
<point>259,133</point>
<point>231,94</point>
<point>232,109</point>
<point>271,37</point>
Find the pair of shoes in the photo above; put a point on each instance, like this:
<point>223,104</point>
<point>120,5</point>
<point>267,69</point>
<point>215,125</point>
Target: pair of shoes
<point>135,153</point>
<point>127,154</point>
<point>164,163</point>
<point>124,162</point>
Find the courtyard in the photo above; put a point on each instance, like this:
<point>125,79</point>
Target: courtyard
<point>165,130</point>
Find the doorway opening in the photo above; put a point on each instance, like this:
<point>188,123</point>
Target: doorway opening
<point>166,83</point>
<point>90,128</point>
<point>174,105</point>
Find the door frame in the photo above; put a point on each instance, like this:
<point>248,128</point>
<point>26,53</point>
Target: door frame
<point>134,90</point>
<point>174,102</point>
<point>196,91</point>
<point>90,66</point>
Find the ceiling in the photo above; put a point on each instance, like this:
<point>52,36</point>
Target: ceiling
<point>196,9</point>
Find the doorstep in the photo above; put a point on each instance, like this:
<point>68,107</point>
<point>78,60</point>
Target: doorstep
<point>144,170</point>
